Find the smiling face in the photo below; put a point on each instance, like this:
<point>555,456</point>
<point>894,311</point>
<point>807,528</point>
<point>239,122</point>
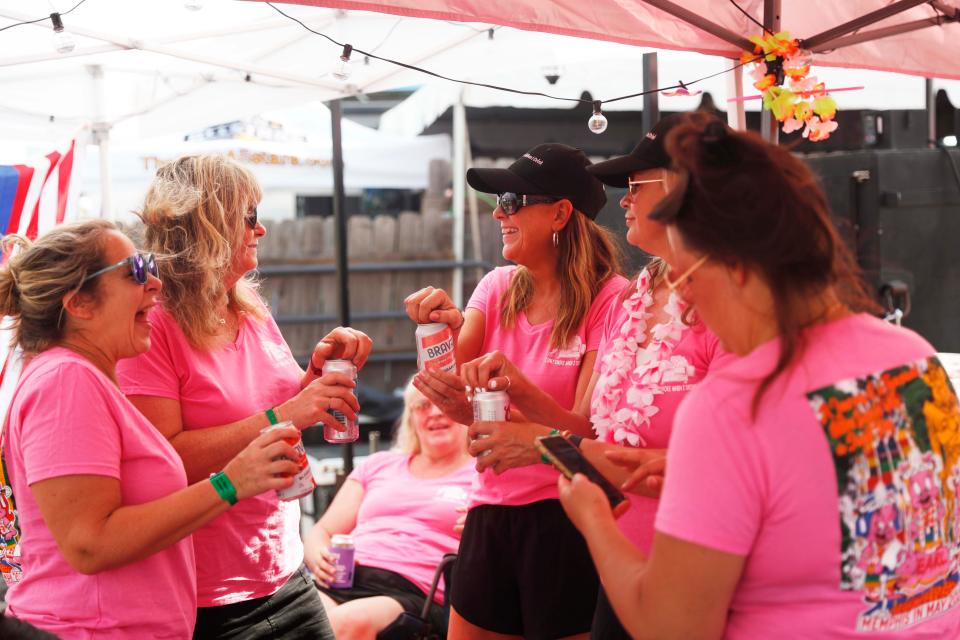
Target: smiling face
<point>439,435</point>
<point>527,234</point>
<point>116,322</point>
<point>245,255</point>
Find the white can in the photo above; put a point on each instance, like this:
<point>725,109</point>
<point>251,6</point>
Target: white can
<point>303,482</point>
<point>352,431</point>
<point>490,406</point>
<point>435,347</point>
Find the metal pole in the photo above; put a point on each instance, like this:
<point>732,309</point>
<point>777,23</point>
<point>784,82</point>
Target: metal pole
<point>651,101</point>
<point>340,246</point>
<point>474,208</point>
<point>459,194</point>
<point>769,127</point>
<point>813,43</point>
<point>698,20</point>
<point>100,133</point>
<point>736,113</point>
<point>931,113</point>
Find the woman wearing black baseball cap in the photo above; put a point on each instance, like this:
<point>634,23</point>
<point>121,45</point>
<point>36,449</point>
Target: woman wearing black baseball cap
<point>652,353</point>
<point>522,569</point>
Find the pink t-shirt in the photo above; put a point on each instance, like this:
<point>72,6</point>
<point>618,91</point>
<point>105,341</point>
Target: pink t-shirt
<point>66,419</point>
<point>405,524</point>
<point>841,493</point>
<point>638,388</point>
<point>253,548</point>
<point>555,371</point>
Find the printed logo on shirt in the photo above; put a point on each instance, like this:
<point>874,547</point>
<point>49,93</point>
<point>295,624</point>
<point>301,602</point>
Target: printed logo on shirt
<point>895,441</point>
<point>449,493</point>
<point>10,565</point>
<point>568,356</point>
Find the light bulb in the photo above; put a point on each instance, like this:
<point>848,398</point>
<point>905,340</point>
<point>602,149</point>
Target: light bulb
<point>62,40</point>
<point>597,122</point>
<point>193,5</point>
<point>342,71</point>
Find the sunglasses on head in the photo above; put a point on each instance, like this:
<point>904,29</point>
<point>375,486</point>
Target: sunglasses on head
<point>140,265</point>
<point>251,219</point>
<point>510,203</point>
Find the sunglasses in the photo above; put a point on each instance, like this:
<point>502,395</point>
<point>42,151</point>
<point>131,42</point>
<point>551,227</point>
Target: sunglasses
<point>633,186</point>
<point>673,285</point>
<point>140,265</point>
<point>251,219</point>
<point>510,203</point>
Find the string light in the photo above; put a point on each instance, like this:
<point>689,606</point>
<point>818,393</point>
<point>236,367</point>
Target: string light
<point>343,70</point>
<point>597,122</point>
<point>62,40</point>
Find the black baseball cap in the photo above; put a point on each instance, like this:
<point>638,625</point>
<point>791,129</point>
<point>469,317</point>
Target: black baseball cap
<point>546,170</point>
<point>649,153</point>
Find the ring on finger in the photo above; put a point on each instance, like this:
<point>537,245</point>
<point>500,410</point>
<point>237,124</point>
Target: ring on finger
<point>507,378</point>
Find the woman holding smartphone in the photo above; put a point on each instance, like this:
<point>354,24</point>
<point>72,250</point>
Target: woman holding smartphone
<point>521,569</point>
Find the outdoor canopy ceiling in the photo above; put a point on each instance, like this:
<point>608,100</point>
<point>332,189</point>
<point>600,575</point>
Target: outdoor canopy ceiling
<point>932,50</point>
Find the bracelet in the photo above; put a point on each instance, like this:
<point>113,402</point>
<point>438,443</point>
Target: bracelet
<point>224,487</point>
<point>271,416</point>
<point>543,458</point>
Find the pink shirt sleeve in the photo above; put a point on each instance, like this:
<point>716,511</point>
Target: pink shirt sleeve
<point>153,373</point>
<point>367,468</point>
<point>714,496</point>
<point>70,430</point>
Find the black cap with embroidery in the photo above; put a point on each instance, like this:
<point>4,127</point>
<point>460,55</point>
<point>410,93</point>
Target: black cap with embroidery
<point>546,170</point>
<point>649,153</point>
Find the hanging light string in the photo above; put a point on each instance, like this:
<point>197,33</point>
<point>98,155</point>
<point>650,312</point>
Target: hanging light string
<point>508,89</point>
<point>46,17</point>
<point>750,17</point>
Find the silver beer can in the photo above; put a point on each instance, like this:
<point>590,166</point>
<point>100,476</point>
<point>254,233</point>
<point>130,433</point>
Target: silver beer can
<point>490,406</point>
<point>352,431</point>
<point>303,481</point>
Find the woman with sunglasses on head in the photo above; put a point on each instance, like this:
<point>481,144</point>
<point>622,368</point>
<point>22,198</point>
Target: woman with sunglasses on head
<point>812,485</point>
<point>98,501</point>
<point>522,569</point>
<point>217,373</point>
<point>653,351</point>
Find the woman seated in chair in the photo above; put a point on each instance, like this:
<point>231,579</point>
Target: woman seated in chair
<point>401,507</point>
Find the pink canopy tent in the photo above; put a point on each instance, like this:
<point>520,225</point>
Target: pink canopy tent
<point>917,37</point>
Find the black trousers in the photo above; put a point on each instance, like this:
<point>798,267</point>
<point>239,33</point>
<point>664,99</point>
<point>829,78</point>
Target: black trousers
<point>295,612</point>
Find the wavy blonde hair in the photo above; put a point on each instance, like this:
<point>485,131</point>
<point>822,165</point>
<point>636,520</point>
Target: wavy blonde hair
<point>588,257</point>
<point>194,217</point>
<point>35,280</point>
<point>405,437</point>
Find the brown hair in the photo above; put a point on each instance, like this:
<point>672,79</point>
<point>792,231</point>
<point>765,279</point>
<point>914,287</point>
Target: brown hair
<point>749,202</point>
<point>588,257</point>
<point>38,276</point>
<point>194,215</point>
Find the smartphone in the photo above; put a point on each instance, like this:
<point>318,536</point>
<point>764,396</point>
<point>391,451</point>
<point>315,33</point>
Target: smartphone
<point>569,460</point>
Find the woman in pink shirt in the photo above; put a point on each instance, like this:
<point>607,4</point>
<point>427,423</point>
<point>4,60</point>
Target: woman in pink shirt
<point>217,372</point>
<point>401,508</point>
<point>523,570</point>
<point>653,352</point>
<point>811,486</point>
<point>97,502</point>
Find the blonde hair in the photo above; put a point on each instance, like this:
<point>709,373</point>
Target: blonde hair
<point>35,280</point>
<point>588,258</point>
<point>194,213</point>
<point>405,437</point>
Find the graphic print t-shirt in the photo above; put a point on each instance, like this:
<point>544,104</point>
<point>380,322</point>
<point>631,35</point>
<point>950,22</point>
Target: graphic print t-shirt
<point>841,492</point>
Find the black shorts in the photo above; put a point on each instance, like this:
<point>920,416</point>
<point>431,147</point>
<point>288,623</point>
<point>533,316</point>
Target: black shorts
<point>524,571</point>
<point>606,625</point>
<point>370,582</point>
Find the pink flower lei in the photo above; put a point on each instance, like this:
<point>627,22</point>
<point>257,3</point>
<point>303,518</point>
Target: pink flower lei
<point>627,369</point>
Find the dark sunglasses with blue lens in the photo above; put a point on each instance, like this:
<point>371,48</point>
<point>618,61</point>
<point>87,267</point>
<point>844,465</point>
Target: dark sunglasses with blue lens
<point>510,203</point>
<point>140,265</point>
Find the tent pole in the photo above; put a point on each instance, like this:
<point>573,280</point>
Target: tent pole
<point>931,113</point>
<point>813,43</point>
<point>474,207</point>
<point>769,127</point>
<point>100,131</point>
<point>459,195</point>
<point>651,101</point>
<point>340,246</point>
<point>886,32</point>
<point>736,114</point>
<point>699,21</point>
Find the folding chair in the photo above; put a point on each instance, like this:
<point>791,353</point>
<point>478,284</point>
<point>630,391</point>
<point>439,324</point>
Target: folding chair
<point>410,627</point>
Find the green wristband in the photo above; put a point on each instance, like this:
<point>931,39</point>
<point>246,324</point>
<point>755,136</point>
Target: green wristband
<point>224,487</point>
<point>271,416</point>
<point>543,458</point>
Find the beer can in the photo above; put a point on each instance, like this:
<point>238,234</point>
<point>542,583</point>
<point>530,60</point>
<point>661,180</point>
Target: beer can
<point>490,406</point>
<point>435,347</point>
<point>352,431</point>
<point>341,546</point>
<point>303,482</point>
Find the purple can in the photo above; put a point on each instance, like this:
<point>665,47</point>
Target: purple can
<point>341,546</point>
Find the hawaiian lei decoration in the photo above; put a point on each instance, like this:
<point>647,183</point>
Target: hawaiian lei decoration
<point>803,102</point>
<point>638,372</point>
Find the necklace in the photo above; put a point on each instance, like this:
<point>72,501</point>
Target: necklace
<point>630,375</point>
